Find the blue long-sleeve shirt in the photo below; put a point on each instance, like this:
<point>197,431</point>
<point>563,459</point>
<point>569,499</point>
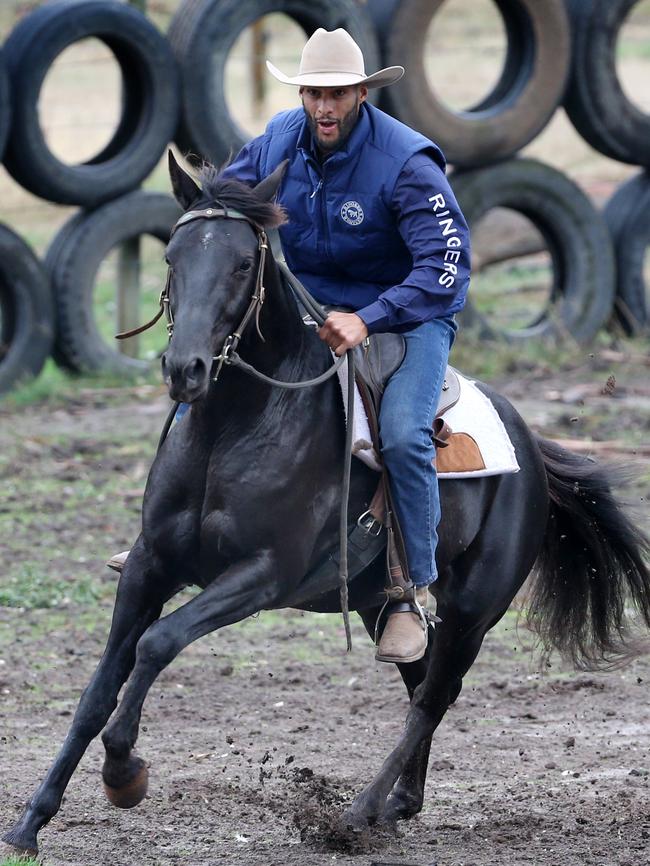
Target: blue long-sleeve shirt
<point>375,227</point>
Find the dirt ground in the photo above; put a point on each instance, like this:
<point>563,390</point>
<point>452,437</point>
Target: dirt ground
<point>257,735</point>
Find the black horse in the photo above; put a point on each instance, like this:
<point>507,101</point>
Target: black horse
<point>243,500</point>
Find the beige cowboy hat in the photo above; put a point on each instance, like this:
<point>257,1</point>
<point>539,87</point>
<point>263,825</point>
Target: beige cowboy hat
<point>331,58</point>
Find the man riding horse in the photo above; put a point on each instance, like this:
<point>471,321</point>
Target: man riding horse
<point>373,226</point>
<point>216,514</point>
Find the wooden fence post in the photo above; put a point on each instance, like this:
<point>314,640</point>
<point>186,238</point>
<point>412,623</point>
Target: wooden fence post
<point>128,271</point>
<point>258,69</point>
<point>128,293</point>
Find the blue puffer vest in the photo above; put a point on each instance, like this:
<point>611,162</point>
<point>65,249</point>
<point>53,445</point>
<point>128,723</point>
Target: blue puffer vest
<point>342,232</point>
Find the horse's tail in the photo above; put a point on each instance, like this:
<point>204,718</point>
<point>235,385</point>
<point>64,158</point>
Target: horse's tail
<point>593,562</point>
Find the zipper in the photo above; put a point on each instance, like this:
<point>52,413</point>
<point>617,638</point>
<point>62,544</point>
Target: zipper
<point>320,184</point>
<point>323,211</point>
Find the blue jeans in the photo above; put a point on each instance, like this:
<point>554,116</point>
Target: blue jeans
<point>407,411</point>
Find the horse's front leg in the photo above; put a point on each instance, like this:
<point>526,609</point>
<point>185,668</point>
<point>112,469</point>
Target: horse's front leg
<point>243,589</point>
<point>139,601</point>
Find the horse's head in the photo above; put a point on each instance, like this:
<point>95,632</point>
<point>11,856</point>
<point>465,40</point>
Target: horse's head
<point>214,270</point>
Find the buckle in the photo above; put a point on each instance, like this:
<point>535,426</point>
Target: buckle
<point>370,524</point>
<point>224,357</point>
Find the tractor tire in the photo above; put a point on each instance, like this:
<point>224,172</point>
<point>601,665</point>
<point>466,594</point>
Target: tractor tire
<point>529,90</point>
<point>73,262</point>
<point>627,214</point>
<point>150,110</point>
<point>202,34</point>
<point>575,233</point>
<point>26,312</point>
<point>595,101</point>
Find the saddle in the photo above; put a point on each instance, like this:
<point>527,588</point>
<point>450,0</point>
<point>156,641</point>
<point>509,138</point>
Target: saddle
<point>381,355</point>
<point>376,360</point>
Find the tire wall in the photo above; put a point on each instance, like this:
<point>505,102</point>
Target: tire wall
<point>173,71</point>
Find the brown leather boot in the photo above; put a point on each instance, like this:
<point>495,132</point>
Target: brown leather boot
<point>405,636</point>
<point>117,562</point>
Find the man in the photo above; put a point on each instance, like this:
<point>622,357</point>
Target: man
<point>374,226</point>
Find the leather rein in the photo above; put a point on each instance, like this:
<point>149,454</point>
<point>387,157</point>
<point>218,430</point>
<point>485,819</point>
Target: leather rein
<point>228,356</point>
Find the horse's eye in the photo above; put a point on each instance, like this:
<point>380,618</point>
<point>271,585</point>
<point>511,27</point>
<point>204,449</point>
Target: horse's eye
<point>245,266</point>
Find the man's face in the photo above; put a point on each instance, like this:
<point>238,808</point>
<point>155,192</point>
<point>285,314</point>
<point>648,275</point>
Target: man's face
<point>332,113</point>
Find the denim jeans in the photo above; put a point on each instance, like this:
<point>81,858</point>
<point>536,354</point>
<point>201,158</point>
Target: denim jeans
<point>407,411</point>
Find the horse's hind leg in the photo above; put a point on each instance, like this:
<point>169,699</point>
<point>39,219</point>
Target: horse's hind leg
<point>137,605</point>
<point>454,646</point>
<point>407,797</point>
<point>469,603</point>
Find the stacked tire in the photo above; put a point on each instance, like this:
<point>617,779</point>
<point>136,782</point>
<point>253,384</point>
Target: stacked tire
<point>36,308</point>
<point>202,34</point>
<point>26,308</point>
<point>482,143</point>
<point>558,52</point>
<point>605,116</point>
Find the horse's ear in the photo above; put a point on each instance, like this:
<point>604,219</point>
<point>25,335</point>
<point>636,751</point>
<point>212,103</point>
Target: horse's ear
<point>185,190</point>
<point>267,188</point>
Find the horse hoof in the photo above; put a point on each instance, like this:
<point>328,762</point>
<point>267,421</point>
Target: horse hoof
<point>17,847</point>
<point>128,793</point>
<point>354,820</point>
<point>400,809</point>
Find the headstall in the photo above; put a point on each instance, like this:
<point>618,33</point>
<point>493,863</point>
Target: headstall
<point>257,300</point>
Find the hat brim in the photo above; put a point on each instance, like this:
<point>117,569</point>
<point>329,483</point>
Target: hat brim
<point>382,78</point>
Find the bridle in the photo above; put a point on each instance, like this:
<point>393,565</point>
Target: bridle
<point>257,299</point>
<point>228,356</point>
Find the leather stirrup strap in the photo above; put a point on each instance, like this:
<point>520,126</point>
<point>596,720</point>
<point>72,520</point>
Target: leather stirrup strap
<point>396,562</point>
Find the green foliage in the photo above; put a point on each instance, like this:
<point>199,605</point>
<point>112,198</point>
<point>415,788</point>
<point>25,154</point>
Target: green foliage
<point>55,385</point>
<point>30,587</point>
<point>19,861</point>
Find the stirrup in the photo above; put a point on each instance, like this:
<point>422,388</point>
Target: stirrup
<point>395,596</point>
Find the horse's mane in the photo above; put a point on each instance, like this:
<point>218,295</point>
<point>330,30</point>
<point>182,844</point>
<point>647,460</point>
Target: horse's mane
<point>238,196</point>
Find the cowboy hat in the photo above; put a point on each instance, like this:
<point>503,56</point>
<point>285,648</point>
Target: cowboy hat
<point>333,59</point>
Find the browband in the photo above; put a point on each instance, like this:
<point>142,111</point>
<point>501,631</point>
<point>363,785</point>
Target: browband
<point>210,213</point>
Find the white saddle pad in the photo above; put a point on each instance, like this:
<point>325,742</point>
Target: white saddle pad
<point>474,415</point>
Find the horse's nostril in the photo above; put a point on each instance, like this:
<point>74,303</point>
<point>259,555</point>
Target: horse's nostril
<point>195,370</point>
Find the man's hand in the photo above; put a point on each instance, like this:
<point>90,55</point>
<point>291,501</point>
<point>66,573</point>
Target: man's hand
<point>343,331</point>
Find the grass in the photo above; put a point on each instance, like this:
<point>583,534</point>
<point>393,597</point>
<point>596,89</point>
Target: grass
<point>58,386</point>
<point>19,861</point>
<point>490,359</point>
<point>512,295</point>
<point>31,587</point>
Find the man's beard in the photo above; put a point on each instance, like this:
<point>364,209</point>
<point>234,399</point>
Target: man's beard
<point>346,125</point>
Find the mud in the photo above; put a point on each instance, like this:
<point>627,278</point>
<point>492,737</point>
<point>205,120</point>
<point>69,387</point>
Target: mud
<point>257,737</point>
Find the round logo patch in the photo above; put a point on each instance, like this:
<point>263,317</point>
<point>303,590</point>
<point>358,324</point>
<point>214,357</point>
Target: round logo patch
<point>352,213</point>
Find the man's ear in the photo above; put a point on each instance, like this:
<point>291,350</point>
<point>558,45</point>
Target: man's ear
<point>267,188</point>
<point>185,190</point>
<point>363,93</point>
